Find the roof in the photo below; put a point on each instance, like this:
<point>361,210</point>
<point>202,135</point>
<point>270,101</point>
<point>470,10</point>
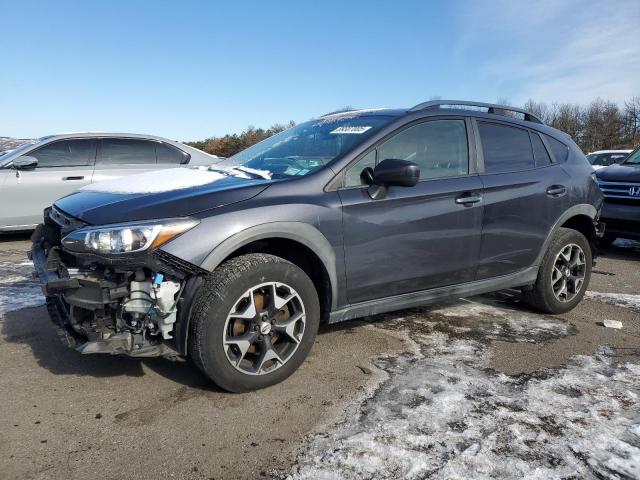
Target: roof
<point>106,134</point>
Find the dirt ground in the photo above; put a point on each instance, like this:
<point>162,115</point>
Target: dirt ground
<point>70,416</point>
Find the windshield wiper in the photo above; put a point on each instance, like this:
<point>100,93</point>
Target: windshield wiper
<point>253,173</point>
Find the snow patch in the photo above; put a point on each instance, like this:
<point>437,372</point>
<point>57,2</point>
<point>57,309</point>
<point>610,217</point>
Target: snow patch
<point>627,243</point>
<point>156,181</point>
<point>612,324</point>
<point>625,300</point>
<point>341,116</point>
<point>443,414</point>
<point>17,289</point>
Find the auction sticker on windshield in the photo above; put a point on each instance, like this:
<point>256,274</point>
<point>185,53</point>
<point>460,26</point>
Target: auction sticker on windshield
<point>351,130</point>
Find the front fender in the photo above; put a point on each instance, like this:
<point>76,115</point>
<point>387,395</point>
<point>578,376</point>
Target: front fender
<point>306,234</point>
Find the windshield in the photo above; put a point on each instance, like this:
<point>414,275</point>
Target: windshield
<point>606,159</point>
<point>633,159</point>
<point>309,146</point>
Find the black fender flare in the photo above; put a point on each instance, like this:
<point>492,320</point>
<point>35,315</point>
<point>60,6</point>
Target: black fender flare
<point>580,209</point>
<point>304,233</point>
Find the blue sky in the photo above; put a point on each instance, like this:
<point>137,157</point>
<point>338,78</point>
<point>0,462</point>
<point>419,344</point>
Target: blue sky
<point>188,70</point>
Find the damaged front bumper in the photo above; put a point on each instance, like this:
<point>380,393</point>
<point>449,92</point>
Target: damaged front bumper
<point>129,306</point>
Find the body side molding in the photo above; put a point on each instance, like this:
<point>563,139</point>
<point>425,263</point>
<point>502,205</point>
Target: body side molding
<point>425,297</point>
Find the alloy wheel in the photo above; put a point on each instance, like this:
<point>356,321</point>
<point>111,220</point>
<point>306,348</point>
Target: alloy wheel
<point>264,328</point>
<point>569,272</point>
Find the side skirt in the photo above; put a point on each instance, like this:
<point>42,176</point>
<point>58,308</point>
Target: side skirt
<point>426,297</point>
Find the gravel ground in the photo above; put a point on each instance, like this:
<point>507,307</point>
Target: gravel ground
<point>481,388</point>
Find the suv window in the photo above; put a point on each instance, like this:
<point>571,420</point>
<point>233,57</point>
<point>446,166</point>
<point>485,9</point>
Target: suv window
<point>66,153</point>
<point>125,151</point>
<point>353,177</point>
<point>539,151</point>
<point>167,154</point>
<point>559,149</point>
<point>505,148</point>
<point>438,147</point>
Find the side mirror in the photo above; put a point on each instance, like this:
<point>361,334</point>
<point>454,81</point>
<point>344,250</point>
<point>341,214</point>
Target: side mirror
<point>25,163</point>
<point>393,172</point>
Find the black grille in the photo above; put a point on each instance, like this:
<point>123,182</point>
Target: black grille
<point>178,263</point>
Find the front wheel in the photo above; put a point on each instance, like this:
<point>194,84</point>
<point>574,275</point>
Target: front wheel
<point>564,274</point>
<point>254,322</point>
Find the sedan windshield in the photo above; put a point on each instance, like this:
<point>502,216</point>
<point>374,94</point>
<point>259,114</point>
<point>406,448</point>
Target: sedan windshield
<point>633,160</point>
<point>309,146</point>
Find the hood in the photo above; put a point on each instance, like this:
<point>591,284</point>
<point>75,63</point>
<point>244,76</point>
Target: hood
<point>619,173</point>
<point>150,196</point>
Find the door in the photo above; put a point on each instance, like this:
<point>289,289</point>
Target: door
<point>524,195</point>
<point>119,157</point>
<point>415,238</point>
<point>63,166</point>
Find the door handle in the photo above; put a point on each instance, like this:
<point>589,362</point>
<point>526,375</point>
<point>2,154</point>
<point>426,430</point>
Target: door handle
<point>468,199</point>
<point>556,190</point>
<point>67,179</point>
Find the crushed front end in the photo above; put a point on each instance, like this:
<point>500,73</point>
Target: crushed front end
<point>111,289</point>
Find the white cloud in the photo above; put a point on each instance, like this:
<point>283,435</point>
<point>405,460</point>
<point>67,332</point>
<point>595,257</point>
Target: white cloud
<point>556,51</point>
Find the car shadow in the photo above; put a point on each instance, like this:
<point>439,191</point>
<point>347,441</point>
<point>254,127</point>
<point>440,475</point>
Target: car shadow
<point>621,249</point>
<point>15,236</point>
<point>31,327</point>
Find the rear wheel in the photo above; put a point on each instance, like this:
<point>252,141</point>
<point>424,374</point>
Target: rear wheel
<point>254,322</point>
<point>564,274</point>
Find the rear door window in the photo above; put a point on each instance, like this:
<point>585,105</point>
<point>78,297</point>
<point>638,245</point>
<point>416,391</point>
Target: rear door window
<point>126,151</point>
<point>66,153</point>
<point>539,151</point>
<point>505,148</point>
<point>167,154</point>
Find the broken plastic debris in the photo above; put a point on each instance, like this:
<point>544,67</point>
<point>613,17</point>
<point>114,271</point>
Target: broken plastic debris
<point>612,324</point>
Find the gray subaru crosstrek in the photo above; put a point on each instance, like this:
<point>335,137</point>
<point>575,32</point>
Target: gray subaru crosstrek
<point>347,215</point>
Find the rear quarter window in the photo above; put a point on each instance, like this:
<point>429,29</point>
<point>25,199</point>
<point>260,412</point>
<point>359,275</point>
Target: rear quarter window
<point>560,150</point>
<point>167,154</point>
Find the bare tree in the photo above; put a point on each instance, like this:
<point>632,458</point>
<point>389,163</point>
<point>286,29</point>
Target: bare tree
<point>539,109</point>
<point>632,122</point>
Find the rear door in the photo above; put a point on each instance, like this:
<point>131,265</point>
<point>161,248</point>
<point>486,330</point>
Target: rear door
<point>63,166</point>
<point>119,157</point>
<point>420,237</point>
<point>524,195</point>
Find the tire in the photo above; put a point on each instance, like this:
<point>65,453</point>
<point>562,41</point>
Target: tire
<point>546,294</point>
<point>607,239</point>
<point>255,283</point>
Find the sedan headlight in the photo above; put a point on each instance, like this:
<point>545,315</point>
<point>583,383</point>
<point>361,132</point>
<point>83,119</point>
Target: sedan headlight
<point>127,237</point>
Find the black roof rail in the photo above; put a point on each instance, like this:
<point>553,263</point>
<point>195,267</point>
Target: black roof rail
<point>491,108</point>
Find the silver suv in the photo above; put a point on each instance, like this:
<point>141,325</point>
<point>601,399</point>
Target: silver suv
<point>36,174</point>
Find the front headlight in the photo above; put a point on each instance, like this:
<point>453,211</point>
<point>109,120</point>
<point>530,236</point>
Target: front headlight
<point>127,237</point>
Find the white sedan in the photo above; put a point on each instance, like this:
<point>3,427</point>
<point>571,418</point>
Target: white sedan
<point>36,174</point>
